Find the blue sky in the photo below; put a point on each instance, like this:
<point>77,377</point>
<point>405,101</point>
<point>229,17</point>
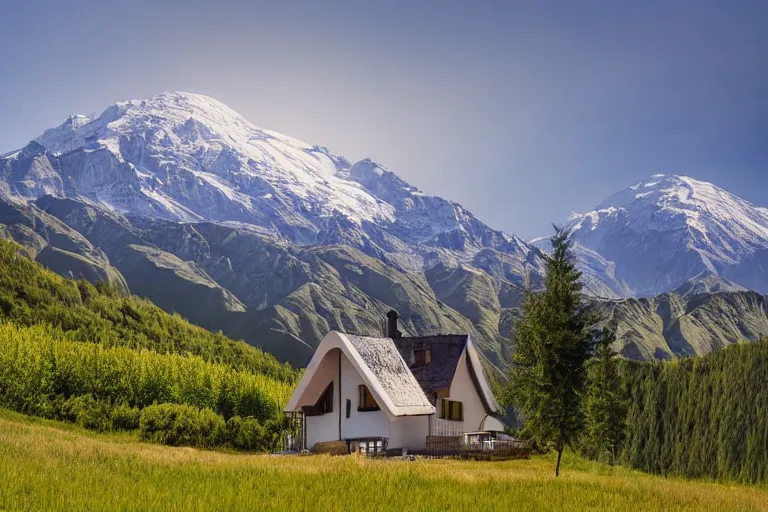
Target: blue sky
<point>521,111</point>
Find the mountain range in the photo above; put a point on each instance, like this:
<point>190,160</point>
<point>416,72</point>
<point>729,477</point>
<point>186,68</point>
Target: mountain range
<point>180,199</point>
<point>670,231</point>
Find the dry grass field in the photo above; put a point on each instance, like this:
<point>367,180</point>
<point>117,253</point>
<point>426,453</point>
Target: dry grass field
<point>53,466</point>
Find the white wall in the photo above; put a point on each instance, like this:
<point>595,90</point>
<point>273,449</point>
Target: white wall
<point>463,390</point>
<point>403,432</point>
<point>325,427</point>
<point>409,432</point>
<point>359,423</point>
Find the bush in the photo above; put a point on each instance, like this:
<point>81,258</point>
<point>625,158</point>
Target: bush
<point>247,434</point>
<point>88,412</point>
<point>181,425</point>
<point>125,417</point>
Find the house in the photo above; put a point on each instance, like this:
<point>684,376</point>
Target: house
<point>392,393</point>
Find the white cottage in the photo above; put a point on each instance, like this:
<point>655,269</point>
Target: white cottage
<point>392,393</point>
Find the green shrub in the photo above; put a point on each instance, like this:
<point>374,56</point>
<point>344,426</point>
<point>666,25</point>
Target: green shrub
<point>88,412</point>
<point>247,434</point>
<point>181,425</point>
<point>125,417</point>
<point>36,367</point>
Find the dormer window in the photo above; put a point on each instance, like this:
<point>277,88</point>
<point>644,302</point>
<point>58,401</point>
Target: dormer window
<point>422,356</point>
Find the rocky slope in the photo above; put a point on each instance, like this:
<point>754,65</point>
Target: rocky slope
<point>674,325</point>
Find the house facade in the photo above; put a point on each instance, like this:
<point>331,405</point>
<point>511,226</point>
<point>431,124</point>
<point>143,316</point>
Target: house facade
<point>392,392</point>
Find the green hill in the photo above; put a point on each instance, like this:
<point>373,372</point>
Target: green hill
<point>79,311</point>
<point>72,351</point>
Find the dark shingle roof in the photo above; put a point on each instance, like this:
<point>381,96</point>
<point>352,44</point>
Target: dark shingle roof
<point>445,350</point>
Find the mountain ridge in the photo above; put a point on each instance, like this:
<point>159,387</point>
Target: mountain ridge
<point>180,199</point>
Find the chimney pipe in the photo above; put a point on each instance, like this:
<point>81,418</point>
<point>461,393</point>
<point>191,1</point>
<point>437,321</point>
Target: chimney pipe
<point>392,331</point>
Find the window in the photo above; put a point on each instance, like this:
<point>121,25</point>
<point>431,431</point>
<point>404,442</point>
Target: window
<point>349,406</point>
<point>451,410</point>
<point>367,402</point>
<point>422,357</point>
<point>371,446</point>
<point>323,405</point>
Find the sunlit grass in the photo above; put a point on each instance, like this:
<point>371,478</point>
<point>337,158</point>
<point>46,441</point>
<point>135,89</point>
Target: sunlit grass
<point>51,466</point>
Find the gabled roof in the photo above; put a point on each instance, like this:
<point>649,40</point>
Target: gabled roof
<point>446,351</point>
<point>381,367</point>
<point>492,407</point>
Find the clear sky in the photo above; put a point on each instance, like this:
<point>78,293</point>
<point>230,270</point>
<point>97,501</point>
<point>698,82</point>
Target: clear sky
<point>521,111</point>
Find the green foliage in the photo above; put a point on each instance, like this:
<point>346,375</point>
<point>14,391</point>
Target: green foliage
<point>79,311</point>
<point>125,417</point>
<point>700,417</point>
<point>182,425</point>
<point>605,406</point>
<point>88,412</point>
<point>35,368</point>
<point>247,434</point>
<point>105,388</point>
<point>552,345</point>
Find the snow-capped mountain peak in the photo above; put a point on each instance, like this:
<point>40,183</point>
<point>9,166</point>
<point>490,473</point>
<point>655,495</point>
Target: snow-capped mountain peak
<point>188,157</point>
<point>664,202</point>
<point>675,221</point>
<point>176,141</point>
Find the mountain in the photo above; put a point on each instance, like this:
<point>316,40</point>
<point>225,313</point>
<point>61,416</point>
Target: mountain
<point>181,200</point>
<point>188,158</point>
<point>680,325</point>
<point>258,234</point>
<point>668,231</point>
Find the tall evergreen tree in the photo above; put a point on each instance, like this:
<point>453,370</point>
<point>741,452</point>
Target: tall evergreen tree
<point>552,345</point>
<point>605,406</point>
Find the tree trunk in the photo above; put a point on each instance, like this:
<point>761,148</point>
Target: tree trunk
<point>559,456</point>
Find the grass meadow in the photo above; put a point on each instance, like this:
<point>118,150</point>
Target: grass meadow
<point>47,465</point>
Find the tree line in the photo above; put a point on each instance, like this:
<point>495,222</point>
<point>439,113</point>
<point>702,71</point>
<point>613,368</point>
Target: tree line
<point>696,417</point>
<point>704,417</point>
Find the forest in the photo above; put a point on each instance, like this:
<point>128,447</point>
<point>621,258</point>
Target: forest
<point>703,417</point>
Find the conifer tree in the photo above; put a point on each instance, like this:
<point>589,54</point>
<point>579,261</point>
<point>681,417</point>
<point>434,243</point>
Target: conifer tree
<point>552,345</point>
<point>605,407</point>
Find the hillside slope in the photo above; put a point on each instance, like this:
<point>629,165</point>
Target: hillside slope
<point>676,325</point>
<point>75,310</point>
